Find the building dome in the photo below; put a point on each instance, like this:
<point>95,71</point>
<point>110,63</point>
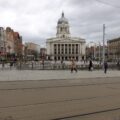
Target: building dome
<point>62,20</point>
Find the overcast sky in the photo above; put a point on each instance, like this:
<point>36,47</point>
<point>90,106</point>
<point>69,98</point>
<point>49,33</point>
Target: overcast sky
<point>36,20</point>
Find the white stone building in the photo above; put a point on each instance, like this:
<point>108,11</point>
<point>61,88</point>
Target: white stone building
<point>63,46</point>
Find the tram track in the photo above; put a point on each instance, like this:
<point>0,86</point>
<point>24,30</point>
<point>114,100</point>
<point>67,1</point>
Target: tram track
<point>60,86</point>
<point>26,107</point>
<point>87,114</point>
<point>61,101</point>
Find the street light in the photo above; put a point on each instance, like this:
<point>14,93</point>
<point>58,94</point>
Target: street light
<point>99,52</point>
<point>103,43</point>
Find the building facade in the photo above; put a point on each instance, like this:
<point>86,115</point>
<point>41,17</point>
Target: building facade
<point>96,52</point>
<point>10,43</point>
<point>13,43</point>
<point>32,49</point>
<point>18,46</point>
<point>63,46</point>
<point>43,53</point>
<point>114,49</point>
<point>10,46</point>
<point>99,52</point>
<point>2,41</point>
<point>90,52</point>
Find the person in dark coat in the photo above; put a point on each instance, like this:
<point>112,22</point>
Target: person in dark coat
<point>90,65</point>
<point>11,64</point>
<point>3,64</point>
<point>118,65</point>
<point>105,67</point>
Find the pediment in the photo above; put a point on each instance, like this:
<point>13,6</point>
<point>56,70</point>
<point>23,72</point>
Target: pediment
<point>67,40</point>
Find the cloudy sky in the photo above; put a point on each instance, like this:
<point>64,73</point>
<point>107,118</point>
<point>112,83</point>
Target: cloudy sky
<point>36,20</point>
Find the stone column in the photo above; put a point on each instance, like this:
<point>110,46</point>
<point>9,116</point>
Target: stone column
<point>75,50</point>
<point>57,51</point>
<point>60,51</point>
<point>67,50</point>
<point>79,51</point>
<point>71,50</point>
<point>64,49</point>
<point>52,49</point>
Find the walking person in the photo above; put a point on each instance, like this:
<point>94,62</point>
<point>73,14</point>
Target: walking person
<point>105,67</point>
<point>3,65</point>
<point>73,66</point>
<point>90,65</point>
<point>11,64</point>
<point>43,63</point>
<point>62,64</point>
<point>118,65</point>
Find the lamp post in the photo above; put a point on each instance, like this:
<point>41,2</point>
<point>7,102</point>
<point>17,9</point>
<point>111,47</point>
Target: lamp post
<point>99,52</point>
<point>103,43</point>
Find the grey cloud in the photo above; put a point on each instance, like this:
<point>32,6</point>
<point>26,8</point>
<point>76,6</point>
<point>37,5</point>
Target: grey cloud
<point>37,20</point>
<point>92,18</point>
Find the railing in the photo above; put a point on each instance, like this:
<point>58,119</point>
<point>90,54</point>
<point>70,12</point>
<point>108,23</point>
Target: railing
<point>60,66</point>
<point>54,66</point>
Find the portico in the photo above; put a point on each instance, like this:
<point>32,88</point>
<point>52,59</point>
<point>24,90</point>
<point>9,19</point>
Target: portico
<point>66,51</point>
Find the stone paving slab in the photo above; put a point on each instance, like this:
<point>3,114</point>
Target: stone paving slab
<point>13,75</point>
<point>49,103</point>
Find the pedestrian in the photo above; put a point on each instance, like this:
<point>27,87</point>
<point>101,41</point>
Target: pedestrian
<point>118,65</point>
<point>61,61</point>
<point>15,60</point>
<point>32,64</point>
<point>62,64</point>
<point>11,64</point>
<point>3,65</point>
<point>105,67</point>
<point>73,66</point>
<point>90,65</point>
<point>43,63</point>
